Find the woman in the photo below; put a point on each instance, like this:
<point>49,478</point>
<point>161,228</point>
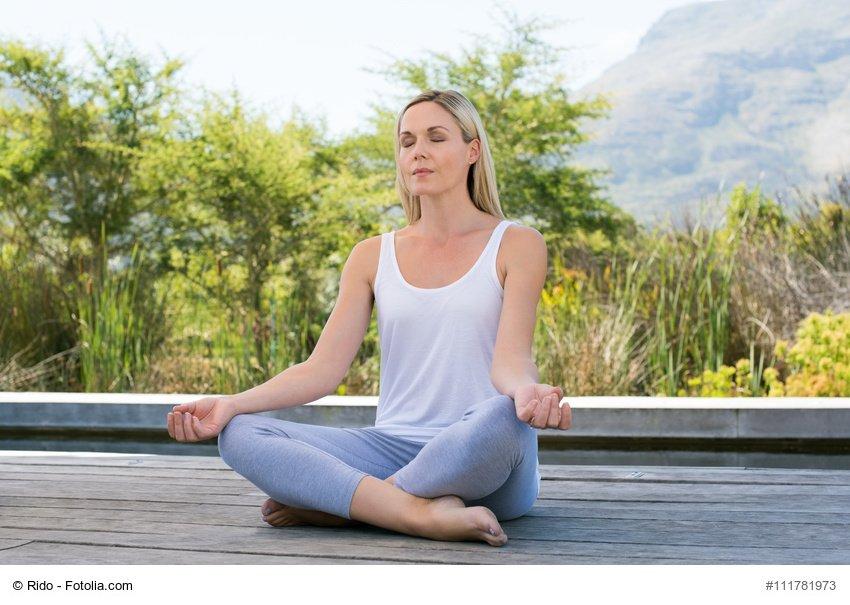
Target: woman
<point>453,449</point>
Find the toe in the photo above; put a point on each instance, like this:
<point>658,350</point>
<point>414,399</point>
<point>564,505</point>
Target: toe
<point>496,537</point>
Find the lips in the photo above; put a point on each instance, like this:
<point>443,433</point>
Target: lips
<point>422,171</point>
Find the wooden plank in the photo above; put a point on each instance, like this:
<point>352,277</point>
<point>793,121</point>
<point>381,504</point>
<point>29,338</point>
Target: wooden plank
<point>252,496</point>
<point>702,475</point>
<point>235,481</point>
<point>703,533</point>
<point>45,482</point>
<point>232,479</point>
<point>119,471</point>
<point>237,514</point>
<point>157,468</point>
<point>680,511</point>
<point>559,474</point>
<point>255,498</point>
<point>51,553</point>
<point>699,489</point>
<point>5,544</point>
<point>685,506</point>
<point>297,542</point>
<point>554,472</point>
<point>715,533</point>
<point>547,470</point>
<point>752,503</point>
<point>229,479</point>
<point>398,548</point>
<point>187,462</point>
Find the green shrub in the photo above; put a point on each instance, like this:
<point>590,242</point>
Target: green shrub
<point>737,381</point>
<point>819,361</point>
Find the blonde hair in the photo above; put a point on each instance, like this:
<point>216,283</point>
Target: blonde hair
<point>481,178</point>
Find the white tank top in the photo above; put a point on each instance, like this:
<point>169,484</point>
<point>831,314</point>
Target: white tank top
<point>436,343</point>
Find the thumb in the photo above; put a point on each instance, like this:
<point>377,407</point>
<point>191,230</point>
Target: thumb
<point>184,407</point>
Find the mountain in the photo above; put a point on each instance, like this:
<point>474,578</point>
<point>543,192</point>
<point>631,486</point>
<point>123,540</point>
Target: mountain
<point>722,92</point>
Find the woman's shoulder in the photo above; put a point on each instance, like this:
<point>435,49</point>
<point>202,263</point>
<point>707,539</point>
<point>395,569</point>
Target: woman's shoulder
<point>367,253</point>
<point>521,243</point>
<point>522,237</point>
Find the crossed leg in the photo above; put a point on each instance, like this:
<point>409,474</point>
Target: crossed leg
<point>487,458</point>
<point>281,515</point>
<point>332,476</point>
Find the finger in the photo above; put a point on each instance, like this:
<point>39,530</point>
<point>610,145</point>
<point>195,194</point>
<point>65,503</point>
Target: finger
<point>178,427</point>
<point>541,415</point>
<point>554,412</point>
<point>566,417</point>
<point>530,409</point>
<point>525,412</point>
<point>188,430</point>
<point>170,424</point>
<point>184,407</point>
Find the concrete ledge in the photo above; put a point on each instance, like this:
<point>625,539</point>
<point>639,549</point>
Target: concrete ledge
<point>593,417</point>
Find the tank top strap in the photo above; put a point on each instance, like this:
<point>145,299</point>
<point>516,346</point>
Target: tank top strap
<point>492,248</point>
<point>385,258</point>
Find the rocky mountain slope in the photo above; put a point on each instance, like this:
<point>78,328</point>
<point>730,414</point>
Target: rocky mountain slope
<point>722,92</point>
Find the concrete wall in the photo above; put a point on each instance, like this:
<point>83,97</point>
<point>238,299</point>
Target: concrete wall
<point>593,417</point>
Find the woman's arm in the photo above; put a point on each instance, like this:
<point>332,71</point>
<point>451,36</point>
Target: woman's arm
<point>514,372</point>
<point>525,264</point>
<point>296,385</point>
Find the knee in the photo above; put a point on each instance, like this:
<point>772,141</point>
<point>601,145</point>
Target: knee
<point>233,433</point>
<point>499,413</point>
<point>516,509</point>
<point>499,421</point>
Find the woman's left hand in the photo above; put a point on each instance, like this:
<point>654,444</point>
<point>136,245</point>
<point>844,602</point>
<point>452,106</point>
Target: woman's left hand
<point>538,406</point>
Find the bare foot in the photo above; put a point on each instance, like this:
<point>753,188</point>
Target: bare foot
<point>283,515</point>
<point>448,518</point>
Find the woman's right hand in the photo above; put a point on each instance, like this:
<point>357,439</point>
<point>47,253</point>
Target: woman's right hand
<point>201,419</point>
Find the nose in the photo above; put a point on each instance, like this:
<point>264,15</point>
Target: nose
<point>418,150</point>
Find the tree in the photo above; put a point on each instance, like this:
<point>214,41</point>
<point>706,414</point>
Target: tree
<point>249,201</point>
<point>70,146</point>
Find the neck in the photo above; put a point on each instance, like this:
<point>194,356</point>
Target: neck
<point>448,214</point>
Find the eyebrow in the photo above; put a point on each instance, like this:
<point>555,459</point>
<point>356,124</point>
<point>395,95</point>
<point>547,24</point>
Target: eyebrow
<point>429,130</point>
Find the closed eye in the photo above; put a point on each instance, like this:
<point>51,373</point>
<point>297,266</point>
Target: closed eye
<point>434,140</point>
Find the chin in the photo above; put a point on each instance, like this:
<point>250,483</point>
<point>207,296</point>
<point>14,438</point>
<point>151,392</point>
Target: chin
<point>425,190</point>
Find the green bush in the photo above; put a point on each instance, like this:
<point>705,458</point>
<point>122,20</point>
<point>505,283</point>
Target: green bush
<point>819,361</point>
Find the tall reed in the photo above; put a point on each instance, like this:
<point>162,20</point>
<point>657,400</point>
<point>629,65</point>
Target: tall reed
<point>119,324</point>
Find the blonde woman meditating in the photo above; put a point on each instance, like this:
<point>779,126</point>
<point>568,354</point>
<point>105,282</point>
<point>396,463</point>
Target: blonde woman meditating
<point>454,449</point>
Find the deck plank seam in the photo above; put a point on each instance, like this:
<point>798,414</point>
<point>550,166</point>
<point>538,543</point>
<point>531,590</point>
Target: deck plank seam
<point>17,545</point>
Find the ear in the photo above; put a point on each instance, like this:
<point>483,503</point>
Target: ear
<point>474,151</point>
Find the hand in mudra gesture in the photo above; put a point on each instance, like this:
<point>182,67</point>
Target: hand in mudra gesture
<point>538,406</point>
<point>199,420</point>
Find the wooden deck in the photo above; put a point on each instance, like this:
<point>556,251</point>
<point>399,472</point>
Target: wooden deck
<point>128,509</point>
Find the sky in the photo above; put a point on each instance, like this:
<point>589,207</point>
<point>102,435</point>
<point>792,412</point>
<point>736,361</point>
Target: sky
<point>314,54</point>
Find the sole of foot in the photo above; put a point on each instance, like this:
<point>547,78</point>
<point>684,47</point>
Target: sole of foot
<point>448,518</point>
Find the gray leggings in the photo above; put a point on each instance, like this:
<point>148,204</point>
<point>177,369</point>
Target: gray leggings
<point>487,458</point>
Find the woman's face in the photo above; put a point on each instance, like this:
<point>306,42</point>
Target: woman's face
<point>430,139</point>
